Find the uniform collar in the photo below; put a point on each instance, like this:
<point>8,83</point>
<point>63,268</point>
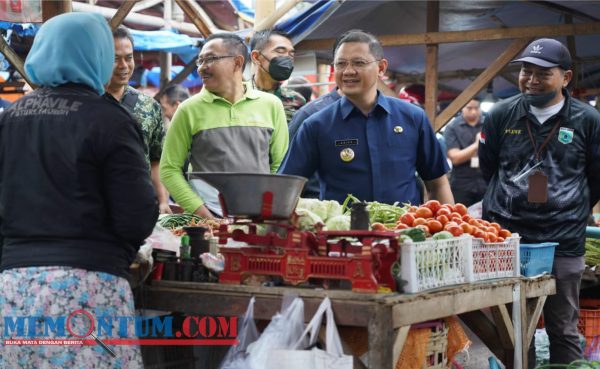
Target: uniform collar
<point>209,97</point>
<point>347,107</point>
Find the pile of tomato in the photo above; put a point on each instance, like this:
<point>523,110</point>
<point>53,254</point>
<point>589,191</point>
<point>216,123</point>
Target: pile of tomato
<point>434,217</point>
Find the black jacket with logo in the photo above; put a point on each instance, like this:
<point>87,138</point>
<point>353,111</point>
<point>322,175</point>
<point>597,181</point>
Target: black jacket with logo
<point>571,161</point>
<point>75,189</point>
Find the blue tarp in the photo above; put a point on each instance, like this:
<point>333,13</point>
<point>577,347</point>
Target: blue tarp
<point>241,7</point>
<point>301,25</point>
<point>183,45</point>
<point>191,81</point>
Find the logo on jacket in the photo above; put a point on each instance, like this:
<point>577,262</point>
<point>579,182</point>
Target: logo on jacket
<point>482,138</point>
<point>565,135</point>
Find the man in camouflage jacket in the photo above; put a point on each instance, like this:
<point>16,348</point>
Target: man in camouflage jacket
<point>273,57</point>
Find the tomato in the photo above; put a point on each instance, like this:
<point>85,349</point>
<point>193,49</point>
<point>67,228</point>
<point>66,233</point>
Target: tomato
<point>443,211</point>
<point>456,218</point>
<point>408,219</point>
<point>478,233</point>
<point>378,227</point>
<point>461,209</point>
<point>419,221</point>
<point>401,226</point>
<point>455,230</point>
<point>474,222</point>
<point>450,224</point>
<point>412,209</point>
<point>484,222</point>
<point>500,239</point>
<point>467,228</point>
<point>424,212</point>
<point>442,219</point>
<point>466,218</point>
<point>455,215</point>
<point>504,233</point>
<point>496,225</point>
<point>434,225</point>
<point>424,228</point>
<point>491,229</point>
<point>491,237</point>
<point>433,205</point>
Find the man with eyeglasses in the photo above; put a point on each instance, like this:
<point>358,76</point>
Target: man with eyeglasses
<point>540,152</point>
<point>273,58</point>
<point>227,127</point>
<point>365,143</point>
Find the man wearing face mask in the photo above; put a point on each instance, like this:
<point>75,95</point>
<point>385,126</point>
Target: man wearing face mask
<point>540,152</point>
<point>273,57</point>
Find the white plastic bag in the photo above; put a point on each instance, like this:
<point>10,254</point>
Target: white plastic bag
<point>236,356</point>
<point>299,358</point>
<point>283,332</point>
<point>163,239</point>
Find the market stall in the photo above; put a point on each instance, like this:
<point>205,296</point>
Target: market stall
<point>378,263</point>
<point>374,312</point>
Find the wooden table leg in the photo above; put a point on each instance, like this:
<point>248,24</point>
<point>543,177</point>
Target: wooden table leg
<point>401,337</point>
<point>381,336</point>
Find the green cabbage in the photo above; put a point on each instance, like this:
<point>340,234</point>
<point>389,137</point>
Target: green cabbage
<point>338,223</point>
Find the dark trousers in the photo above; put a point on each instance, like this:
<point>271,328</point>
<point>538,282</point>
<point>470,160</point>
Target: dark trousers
<point>561,313</point>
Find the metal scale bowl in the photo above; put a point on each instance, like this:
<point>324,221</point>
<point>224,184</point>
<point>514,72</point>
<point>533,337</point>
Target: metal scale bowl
<point>293,255</point>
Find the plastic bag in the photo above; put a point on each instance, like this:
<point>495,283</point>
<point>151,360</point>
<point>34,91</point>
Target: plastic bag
<point>161,238</point>
<point>236,356</point>
<point>297,357</point>
<point>283,332</point>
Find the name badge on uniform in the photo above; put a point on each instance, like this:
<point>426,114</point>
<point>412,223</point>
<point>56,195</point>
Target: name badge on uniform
<point>475,162</point>
<point>348,142</point>
<point>537,192</point>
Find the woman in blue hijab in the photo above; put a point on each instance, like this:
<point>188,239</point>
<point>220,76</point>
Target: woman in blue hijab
<point>76,202</point>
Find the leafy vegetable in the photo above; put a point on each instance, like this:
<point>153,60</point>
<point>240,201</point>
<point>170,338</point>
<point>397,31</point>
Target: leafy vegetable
<point>338,223</point>
<point>378,212</point>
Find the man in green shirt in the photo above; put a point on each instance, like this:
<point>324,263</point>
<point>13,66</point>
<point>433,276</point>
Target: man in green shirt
<point>143,108</point>
<point>273,57</point>
<point>227,127</point>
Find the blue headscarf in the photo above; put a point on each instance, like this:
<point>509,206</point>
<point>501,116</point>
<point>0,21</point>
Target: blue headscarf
<point>72,47</point>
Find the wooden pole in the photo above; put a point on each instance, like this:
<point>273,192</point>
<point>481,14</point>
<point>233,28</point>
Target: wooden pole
<point>15,60</point>
<point>431,61</point>
<point>189,68</point>
<point>197,16</point>
<point>573,52</point>
<point>262,10</point>
<point>322,77</point>
<point>468,36</point>
<point>166,58</point>
<point>121,13</point>
<point>480,82</point>
<point>276,15</point>
<point>52,8</point>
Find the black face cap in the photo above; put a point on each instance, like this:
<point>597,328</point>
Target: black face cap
<point>546,53</point>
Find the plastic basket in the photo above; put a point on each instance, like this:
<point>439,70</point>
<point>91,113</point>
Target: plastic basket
<point>496,259</point>
<point>435,350</point>
<point>589,324</point>
<point>436,263</point>
<point>537,258</point>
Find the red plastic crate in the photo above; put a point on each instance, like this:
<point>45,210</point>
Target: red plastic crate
<point>589,320</point>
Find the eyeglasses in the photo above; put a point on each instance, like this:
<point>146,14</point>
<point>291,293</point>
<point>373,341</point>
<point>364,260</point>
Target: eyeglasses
<point>211,59</point>
<point>358,64</point>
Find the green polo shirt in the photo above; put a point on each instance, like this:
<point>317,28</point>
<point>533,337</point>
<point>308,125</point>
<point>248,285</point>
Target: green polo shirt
<point>248,136</point>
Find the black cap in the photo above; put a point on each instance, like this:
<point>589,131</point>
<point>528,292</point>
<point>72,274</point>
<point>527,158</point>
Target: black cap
<point>546,53</point>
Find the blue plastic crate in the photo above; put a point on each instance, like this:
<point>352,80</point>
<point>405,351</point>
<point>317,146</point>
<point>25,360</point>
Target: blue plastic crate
<point>537,258</point>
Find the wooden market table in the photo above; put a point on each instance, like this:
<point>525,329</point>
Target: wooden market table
<point>386,317</point>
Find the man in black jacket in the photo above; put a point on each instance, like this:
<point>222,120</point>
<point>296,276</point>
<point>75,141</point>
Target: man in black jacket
<point>540,152</point>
